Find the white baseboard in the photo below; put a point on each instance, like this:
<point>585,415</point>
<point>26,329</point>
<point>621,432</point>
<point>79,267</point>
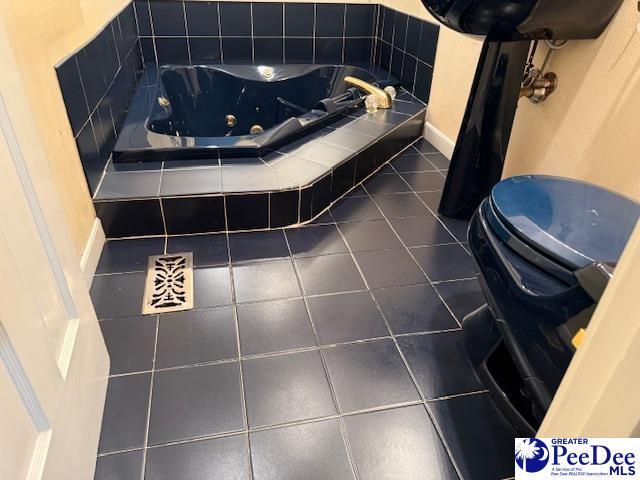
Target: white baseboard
<point>439,140</point>
<point>92,251</point>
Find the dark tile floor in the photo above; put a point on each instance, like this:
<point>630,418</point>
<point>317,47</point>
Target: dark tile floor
<point>330,351</point>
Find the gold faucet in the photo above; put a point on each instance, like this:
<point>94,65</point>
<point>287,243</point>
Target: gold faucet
<point>384,99</point>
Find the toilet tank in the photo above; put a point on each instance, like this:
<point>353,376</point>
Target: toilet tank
<point>506,20</point>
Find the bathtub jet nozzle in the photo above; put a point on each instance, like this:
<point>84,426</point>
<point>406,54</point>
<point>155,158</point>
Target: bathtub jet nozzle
<point>230,120</point>
<point>383,97</point>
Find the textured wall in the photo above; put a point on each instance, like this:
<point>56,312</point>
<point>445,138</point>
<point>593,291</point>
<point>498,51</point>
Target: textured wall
<point>41,34</point>
<point>589,128</point>
<point>456,61</point>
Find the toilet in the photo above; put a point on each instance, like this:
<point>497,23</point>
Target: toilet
<point>544,248</point>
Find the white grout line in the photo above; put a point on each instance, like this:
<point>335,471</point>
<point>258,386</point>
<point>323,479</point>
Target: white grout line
<point>413,378</point>
<point>407,53</point>
<point>284,20</point>
<point>153,33</point>
<point>186,30</point>
<point>315,14</point>
<point>245,414</point>
<point>334,396</point>
<point>253,40</point>
<point>306,421</point>
<point>146,430</point>
<point>344,30</point>
<point>220,32</point>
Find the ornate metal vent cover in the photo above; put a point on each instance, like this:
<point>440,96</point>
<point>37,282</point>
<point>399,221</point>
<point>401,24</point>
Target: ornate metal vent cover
<point>169,283</point>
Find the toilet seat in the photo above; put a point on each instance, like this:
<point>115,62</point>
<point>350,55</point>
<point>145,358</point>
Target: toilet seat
<point>571,223</point>
<point>530,241</point>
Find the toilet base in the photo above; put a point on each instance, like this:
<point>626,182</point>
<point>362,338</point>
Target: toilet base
<point>496,369</point>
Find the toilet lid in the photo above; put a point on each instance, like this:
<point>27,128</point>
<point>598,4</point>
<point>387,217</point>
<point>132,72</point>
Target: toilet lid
<point>575,223</point>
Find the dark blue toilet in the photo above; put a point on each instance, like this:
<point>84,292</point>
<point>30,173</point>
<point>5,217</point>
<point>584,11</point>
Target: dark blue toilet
<point>544,248</point>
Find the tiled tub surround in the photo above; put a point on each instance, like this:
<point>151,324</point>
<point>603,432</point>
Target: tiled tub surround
<point>255,33</point>
<point>284,188</point>
<point>196,32</point>
<point>406,47</point>
<point>97,82</point>
<point>351,365</point>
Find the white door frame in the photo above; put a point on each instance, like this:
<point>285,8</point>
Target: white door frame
<point>64,403</point>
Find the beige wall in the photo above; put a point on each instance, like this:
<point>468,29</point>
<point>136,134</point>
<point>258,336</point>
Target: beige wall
<point>41,33</point>
<point>589,128</point>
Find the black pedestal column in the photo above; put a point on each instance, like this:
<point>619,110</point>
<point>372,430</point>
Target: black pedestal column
<point>476,165</point>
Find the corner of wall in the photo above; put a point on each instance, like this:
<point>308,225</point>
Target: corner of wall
<point>438,139</point>
<point>456,60</point>
<point>92,251</point>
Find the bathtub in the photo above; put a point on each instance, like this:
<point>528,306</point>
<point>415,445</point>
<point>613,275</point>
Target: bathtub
<point>191,112</point>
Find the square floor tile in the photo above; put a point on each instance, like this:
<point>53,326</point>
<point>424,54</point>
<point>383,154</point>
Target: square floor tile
<point>125,413</point>
<point>373,235</point>
<point>389,268</point>
<point>444,262</point>
<point>120,256</point>
<point>130,343</point>
<point>386,184</point>
<point>440,363</point>
<point>119,466</point>
<point>218,458</point>
<point>358,191</point>
<point>432,199</point>
<point>208,250</point>
<point>316,240</point>
<point>412,162</point>
<point>346,317</point>
<point>400,443</point>
<point>459,228</point>
<point>418,231</point>
<point>118,295</point>
<point>211,287</point>
<point>424,181</point>
<point>355,209</point>
<point>329,274</point>
<point>401,205</point>
<point>424,146</point>
<point>256,246</point>
<point>414,308</point>
<point>196,336</point>
<point>462,297</point>
<point>324,219</point>
<point>265,281</point>
<point>479,438</point>
<point>387,169</point>
<point>286,388</point>
<point>313,451</point>
<point>368,375</point>
<point>194,402</point>
<point>274,326</point>
<point>438,160</point>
